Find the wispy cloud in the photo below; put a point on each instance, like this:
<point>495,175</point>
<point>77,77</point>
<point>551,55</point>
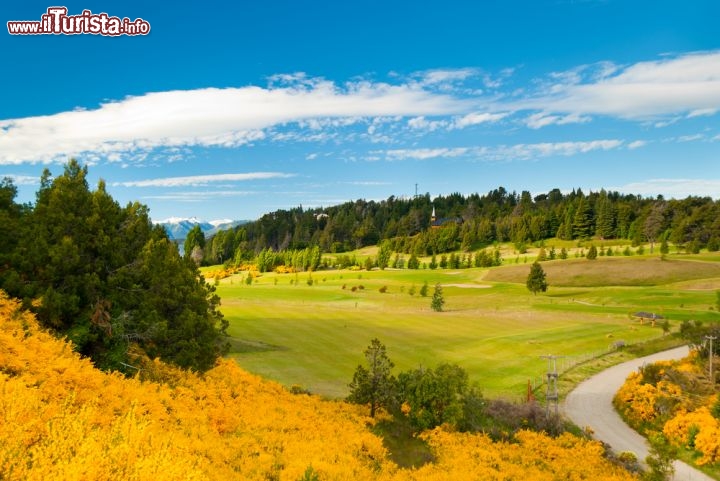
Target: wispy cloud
<point>636,144</point>
<point>501,152</point>
<point>476,118</point>
<point>677,188</point>
<point>22,179</point>
<point>457,122</point>
<point>422,154</point>
<point>298,108</point>
<point>200,196</point>
<point>201,180</point>
<point>549,149</point>
<point>690,138</point>
<point>226,117</point>
<point>367,183</point>
<point>445,76</point>
<point>687,85</point>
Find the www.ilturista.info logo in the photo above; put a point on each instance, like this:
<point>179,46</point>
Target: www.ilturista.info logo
<point>57,22</point>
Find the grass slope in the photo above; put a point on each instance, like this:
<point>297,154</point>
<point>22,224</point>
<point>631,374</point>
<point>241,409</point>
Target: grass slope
<point>612,271</point>
<point>313,335</point>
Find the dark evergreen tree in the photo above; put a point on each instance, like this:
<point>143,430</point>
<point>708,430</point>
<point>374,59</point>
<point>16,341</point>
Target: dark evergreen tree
<point>195,238</point>
<point>654,223</point>
<point>438,300</point>
<point>536,281</point>
<point>582,226</point>
<point>605,225</point>
<point>374,384</point>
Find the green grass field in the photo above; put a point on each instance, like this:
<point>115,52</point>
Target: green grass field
<point>314,335</point>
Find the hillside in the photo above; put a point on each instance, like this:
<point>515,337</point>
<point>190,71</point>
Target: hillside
<point>617,271</point>
<point>64,419</point>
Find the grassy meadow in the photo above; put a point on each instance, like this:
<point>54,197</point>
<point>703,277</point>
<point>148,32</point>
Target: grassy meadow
<point>312,334</point>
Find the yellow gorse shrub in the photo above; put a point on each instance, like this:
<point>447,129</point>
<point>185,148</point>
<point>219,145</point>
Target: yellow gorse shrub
<point>686,420</point>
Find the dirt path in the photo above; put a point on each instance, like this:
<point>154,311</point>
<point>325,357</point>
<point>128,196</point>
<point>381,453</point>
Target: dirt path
<point>590,404</point>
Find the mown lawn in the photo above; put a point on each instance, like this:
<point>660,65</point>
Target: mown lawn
<point>313,335</point>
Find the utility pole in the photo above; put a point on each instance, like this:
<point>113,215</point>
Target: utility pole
<point>551,394</point>
<point>710,356</point>
<point>416,190</point>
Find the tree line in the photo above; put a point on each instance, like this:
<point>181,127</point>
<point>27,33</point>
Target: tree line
<point>104,277</point>
<point>474,221</point>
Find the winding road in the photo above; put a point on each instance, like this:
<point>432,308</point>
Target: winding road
<point>590,405</point>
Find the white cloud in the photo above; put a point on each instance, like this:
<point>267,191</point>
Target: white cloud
<point>298,108</point>
<point>636,144</point>
<point>687,85</point>
<point>542,119</point>
<point>200,196</point>
<point>226,117</point>
<point>502,152</point>
<point>439,76</point>
<point>198,180</point>
<point>475,118</point>
<point>467,120</point>
<point>421,123</point>
<point>690,138</point>
<point>548,149</point>
<point>702,113</point>
<point>675,188</point>
<point>423,154</point>
<point>367,183</point>
<point>22,179</point>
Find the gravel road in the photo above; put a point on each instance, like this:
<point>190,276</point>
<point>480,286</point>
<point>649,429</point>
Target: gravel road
<point>590,404</point>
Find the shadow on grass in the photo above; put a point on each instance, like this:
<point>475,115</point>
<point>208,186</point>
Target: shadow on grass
<point>406,450</point>
<point>247,346</point>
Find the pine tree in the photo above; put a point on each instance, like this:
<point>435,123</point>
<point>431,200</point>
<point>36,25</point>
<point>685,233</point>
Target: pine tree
<point>383,257</point>
<point>664,247</point>
<point>195,238</point>
<point>413,262</point>
<point>654,223</point>
<point>582,221</point>
<point>536,281</point>
<point>374,385</point>
<point>605,226</point>
<point>438,301</point>
<point>592,253</point>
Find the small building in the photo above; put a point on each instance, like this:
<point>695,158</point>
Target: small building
<point>436,223</point>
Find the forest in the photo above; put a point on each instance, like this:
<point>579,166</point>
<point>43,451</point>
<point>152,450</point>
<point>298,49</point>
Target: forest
<point>470,222</point>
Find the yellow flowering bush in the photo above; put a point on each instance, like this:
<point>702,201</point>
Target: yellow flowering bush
<point>637,400</point>
<point>683,415</point>
<point>697,430</point>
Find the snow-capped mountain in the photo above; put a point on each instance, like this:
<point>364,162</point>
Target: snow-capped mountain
<point>178,227</point>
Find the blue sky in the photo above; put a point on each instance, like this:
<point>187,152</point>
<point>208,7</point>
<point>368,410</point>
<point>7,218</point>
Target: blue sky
<point>228,110</point>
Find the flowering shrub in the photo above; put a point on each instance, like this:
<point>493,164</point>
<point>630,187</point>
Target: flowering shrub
<point>654,399</point>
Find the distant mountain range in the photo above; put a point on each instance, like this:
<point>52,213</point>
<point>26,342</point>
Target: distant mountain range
<point>178,227</point>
